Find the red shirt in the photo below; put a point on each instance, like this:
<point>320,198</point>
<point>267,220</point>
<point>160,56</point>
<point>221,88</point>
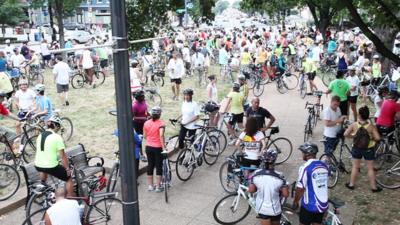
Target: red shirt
<point>151,130</point>
<point>3,110</point>
<point>389,109</point>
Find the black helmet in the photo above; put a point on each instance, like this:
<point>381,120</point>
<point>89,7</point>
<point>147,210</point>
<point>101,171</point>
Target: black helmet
<point>139,94</point>
<point>269,156</point>
<point>236,86</point>
<point>383,89</point>
<point>188,91</point>
<point>309,148</point>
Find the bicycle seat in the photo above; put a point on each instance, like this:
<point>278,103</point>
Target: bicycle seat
<point>274,130</point>
<point>318,93</point>
<point>336,204</point>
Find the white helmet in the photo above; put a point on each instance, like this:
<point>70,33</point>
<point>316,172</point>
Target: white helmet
<point>8,41</point>
<point>375,57</point>
<point>39,87</point>
<point>55,119</point>
<point>22,81</point>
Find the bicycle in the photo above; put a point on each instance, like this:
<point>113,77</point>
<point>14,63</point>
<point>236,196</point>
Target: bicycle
<point>328,73</point>
<point>9,181</point>
<point>387,169</point>
<point>303,85</point>
<point>314,113</point>
<point>286,82</point>
<point>166,174</point>
<point>79,79</point>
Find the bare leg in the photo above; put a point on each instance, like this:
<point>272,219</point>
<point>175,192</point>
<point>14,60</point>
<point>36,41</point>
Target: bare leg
<point>371,173</point>
<point>150,181</point>
<point>354,171</point>
<point>69,186</point>
<point>354,109</point>
<point>173,90</point>
<point>177,91</point>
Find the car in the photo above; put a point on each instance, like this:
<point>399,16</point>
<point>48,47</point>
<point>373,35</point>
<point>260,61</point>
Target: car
<point>78,35</point>
<point>74,26</point>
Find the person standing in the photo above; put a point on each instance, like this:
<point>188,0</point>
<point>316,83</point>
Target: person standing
<point>140,114</point>
<point>376,70</point>
<point>190,114</point>
<point>340,87</point>
<point>382,93</point>
<point>223,60</point>
<point>333,118</point>
<point>176,70</point>
<point>25,100</point>
<point>212,96</point>
<point>235,100</point>
<point>198,63</point>
<point>311,187</point>
<point>310,69</point>
<point>46,55</point>
<point>364,135</point>
<point>88,66</point>
<point>61,73</point>
<point>354,83</point>
<point>343,61</point>
<point>260,114</point>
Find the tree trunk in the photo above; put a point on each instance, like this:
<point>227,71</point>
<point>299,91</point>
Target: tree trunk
<point>53,31</point>
<point>59,10</point>
<point>3,30</point>
<point>380,46</point>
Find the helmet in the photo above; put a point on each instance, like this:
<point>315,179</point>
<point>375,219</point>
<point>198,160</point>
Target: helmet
<point>134,62</point>
<point>241,77</point>
<point>22,81</point>
<point>55,119</point>
<point>383,89</point>
<point>3,94</point>
<point>375,57</point>
<point>236,86</point>
<point>139,94</point>
<point>156,110</point>
<point>269,156</point>
<point>39,87</point>
<point>188,91</point>
<point>309,148</point>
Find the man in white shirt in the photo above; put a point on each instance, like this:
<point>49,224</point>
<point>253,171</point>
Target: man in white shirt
<point>87,65</point>
<point>176,71</point>
<point>64,211</point>
<point>148,62</point>
<point>198,65</point>
<point>333,118</point>
<point>9,49</point>
<point>25,100</point>
<point>17,59</point>
<point>44,49</point>
<point>61,73</point>
<point>186,58</point>
<point>354,83</point>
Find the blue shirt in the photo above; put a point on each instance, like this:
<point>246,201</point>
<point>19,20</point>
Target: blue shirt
<point>3,65</point>
<point>137,140</point>
<point>68,44</point>
<point>43,103</point>
<point>223,57</point>
<point>281,63</point>
<point>313,178</point>
<point>331,47</point>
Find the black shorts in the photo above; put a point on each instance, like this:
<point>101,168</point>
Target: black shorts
<point>272,218</point>
<point>103,63</point>
<point>236,118</point>
<point>367,154</point>
<point>308,218</point>
<point>58,171</point>
<point>176,81</point>
<point>250,162</point>
<point>62,88</point>
<point>46,57</point>
<point>311,76</point>
<point>344,107</point>
<point>353,99</point>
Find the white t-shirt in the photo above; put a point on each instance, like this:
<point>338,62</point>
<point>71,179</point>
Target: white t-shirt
<point>252,145</point>
<point>176,68</point>
<point>186,54</point>
<point>64,210</point>
<point>198,60</point>
<point>87,61</point>
<point>189,110</point>
<point>147,61</point>
<point>62,71</point>
<point>17,60</point>
<point>214,92</point>
<point>354,81</point>
<point>26,99</point>
<point>9,49</point>
<point>269,184</point>
<point>377,107</point>
<point>44,49</point>
<point>316,53</point>
<point>331,115</point>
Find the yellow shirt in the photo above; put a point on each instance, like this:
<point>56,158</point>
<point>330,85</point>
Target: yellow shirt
<point>236,102</point>
<point>262,57</point>
<point>245,58</point>
<point>309,66</point>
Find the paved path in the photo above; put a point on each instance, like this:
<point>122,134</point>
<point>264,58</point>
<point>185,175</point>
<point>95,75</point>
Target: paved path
<point>192,202</point>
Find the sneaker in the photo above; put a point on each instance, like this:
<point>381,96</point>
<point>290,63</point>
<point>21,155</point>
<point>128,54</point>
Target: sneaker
<point>150,188</point>
<point>66,103</point>
<point>94,86</point>
<point>159,189</point>
<point>143,158</point>
<point>378,189</point>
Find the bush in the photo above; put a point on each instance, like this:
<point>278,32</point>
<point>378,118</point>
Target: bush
<point>12,40</point>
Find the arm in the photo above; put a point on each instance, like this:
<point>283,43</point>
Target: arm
<point>252,188</point>
<point>349,131</point>
<point>272,120</point>
<point>375,134</point>
<point>297,196</point>
<point>64,160</point>
<point>12,116</point>
<point>284,191</point>
<point>332,123</point>
<point>47,219</point>
<point>162,131</point>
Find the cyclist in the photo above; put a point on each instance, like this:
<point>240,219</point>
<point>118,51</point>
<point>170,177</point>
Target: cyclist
<point>333,118</point>
<point>358,152</point>
<point>244,89</point>
<point>153,132</point>
<point>340,87</point>
<point>140,114</point>
<point>389,109</point>
<point>270,186</point>
<point>310,69</point>
<point>50,147</point>
<point>3,62</point>
<point>354,83</point>
<point>4,131</point>
<point>382,93</point>
<point>190,114</point>
<point>61,73</point>
<point>311,187</point>
<point>235,100</point>
<point>223,60</point>
<point>25,100</point>
<point>63,210</point>
<point>376,70</point>
<point>88,66</point>
<point>282,62</point>
<point>17,59</point>
<point>198,63</point>
<point>43,107</point>
<point>212,96</point>
<point>260,114</point>
<point>176,71</point>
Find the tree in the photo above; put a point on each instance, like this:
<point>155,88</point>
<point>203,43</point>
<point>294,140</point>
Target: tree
<point>220,6</point>
<point>11,13</point>
<point>236,4</point>
<point>202,11</point>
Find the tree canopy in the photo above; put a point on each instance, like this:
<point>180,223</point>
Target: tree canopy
<point>11,13</point>
<point>220,6</point>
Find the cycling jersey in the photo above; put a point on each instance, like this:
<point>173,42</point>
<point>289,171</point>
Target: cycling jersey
<point>252,144</point>
<point>313,178</point>
<point>47,157</point>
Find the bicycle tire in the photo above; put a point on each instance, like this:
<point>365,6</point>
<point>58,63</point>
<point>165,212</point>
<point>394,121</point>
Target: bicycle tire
<point>36,218</point>
<point>153,98</point>
<point>291,81</point>
<point>223,142</point>
<point>333,169</point>
<point>307,130</point>
<point>327,78</point>
<point>346,157</point>
<point>67,128</point>
<point>35,79</point>
<point>109,202</point>
<point>229,200</point>
<point>281,147</point>
<point>229,180</point>
<point>211,150</point>
<point>303,89</point>
<point>78,81</point>
<point>99,78</point>
<point>113,180</point>
<point>258,90</point>
<point>386,168</point>
<point>158,81</point>
<point>281,87</point>
<point>9,181</point>
<point>166,179</point>
<point>185,159</point>
<point>252,81</point>
<point>173,145</point>
<point>36,202</point>
<point>29,149</point>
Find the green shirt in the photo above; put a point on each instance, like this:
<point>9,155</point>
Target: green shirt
<point>48,157</point>
<point>339,87</point>
<point>236,102</point>
<point>101,52</point>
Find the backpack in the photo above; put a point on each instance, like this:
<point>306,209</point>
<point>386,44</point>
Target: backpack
<point>274,60</point>
<point>361,138</point>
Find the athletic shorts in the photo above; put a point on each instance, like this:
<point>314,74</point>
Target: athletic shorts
<point>236,118</point>
<point>47,57</point>
<point>367,154</point>
<point>176,81</point>
<point>308,218</point>
<point>272,218</point>
<point>103,63</point>
<point>58,171</point>
<point>344,107</point>
<point>353,99</point>
<point>62,88</point>
<point>311,75</point>
<point>250,162</point>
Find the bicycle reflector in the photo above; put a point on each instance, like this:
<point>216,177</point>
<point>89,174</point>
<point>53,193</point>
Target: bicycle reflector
<point>101,184</point>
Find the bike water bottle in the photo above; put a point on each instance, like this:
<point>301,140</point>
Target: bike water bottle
<point>197,147</point>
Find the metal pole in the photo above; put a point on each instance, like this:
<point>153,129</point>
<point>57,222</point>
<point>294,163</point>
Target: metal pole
<point>124,115</point>
<point>186,14</point>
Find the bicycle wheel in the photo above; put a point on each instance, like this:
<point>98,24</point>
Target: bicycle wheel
<point>98,78</point>
<point>231,209</point>
<point>332,169</point>
<point>258,90</point>
<point>289,216</point>
<point>284,148</point>
<point>303,89</point>
<point>291,81</point>
<point>158,81</point>
<point>105,211</point>
<point>36,218</point>
<point>153,98</point>
<point>211,150</point>
<point>166,178</point>
<point>252,81</point>
<point>9,181</point>
<point>29,150</point>
<point>67,128</point>
<point>113,180</point>
<point>77,81</point>
<point>281,87</point>
<point>185,164</point>
<point>346,157</point>
<point>327,78</point>
<point>38,201</point>
<point>307,130</point>
<point>387,169</point>
<point>223,142</point>
<point>35,79</point>
<point>228,178</point>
